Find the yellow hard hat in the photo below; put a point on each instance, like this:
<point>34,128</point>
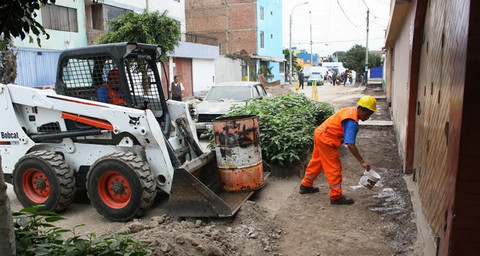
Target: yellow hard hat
<point>369,102</point>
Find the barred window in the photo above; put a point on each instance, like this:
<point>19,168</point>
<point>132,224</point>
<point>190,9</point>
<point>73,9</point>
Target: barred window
<point>59,18</point>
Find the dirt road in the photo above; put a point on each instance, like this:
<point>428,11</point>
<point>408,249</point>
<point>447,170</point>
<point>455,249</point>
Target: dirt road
<point>278,220</point>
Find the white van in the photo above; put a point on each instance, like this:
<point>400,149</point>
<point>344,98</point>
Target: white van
<point>307,71</point>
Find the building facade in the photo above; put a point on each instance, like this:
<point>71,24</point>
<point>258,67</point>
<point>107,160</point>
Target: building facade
<point>306,57</point>
<point>247,30</point>
<point>65,23</point>
<point>78,23</point>
<point>431,63</point>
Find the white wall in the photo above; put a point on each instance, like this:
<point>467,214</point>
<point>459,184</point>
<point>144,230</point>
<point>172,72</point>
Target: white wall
<point>59,40</point>
<point>227,69</point>
<point>400,87</point>
<point>203,74</point>
<point>175,9</point>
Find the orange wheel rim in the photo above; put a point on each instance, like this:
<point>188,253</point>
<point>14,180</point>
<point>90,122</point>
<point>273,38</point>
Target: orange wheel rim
<point>114,190</point>
<point>36,185</point>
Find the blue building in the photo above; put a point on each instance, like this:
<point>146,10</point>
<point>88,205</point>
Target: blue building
<point>305,56</point>
<point>269,34</point>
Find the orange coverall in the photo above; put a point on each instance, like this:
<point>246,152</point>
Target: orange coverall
<point>326,140</point>
<point>113,96</point>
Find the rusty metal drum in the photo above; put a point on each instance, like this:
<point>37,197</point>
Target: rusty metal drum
<point>238,152</point>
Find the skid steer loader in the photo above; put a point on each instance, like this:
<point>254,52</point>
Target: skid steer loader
<point>122,150</point>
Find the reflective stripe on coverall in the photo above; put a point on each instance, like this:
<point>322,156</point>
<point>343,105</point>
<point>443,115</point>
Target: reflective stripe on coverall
<point>326,140</point>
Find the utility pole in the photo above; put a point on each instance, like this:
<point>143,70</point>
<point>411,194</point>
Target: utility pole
<point>311,42</point>
<point>366,51</point>
<point>290,47</point>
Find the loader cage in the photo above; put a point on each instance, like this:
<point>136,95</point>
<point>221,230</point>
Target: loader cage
<point>82,73</point>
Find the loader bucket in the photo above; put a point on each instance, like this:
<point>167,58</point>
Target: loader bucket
<point>196,190</point>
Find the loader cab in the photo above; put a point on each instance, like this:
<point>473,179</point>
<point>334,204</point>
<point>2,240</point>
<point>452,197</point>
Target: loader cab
<point>85,73</point>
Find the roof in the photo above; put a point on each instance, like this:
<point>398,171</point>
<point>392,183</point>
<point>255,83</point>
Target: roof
<point>117,50</point>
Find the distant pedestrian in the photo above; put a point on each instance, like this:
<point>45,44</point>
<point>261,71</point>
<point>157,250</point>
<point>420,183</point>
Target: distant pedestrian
<point>334,78</point>
<point>345,76</point>
<point>350,77</point>
<point>176,89</point>
<point>325,78</point>
<point>301,78</point>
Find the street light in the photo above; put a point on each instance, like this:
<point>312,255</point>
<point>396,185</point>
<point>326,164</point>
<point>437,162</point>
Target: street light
<point>290,48</point>
<point>311,42</point>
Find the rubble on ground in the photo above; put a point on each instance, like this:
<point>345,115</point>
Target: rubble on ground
<point>249,232</point>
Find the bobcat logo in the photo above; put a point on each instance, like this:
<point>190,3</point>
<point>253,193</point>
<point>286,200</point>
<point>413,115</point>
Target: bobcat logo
<point>134,120</point>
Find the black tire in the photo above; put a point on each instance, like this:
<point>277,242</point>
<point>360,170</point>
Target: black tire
<point>43,178</point>
<point>121,186</point>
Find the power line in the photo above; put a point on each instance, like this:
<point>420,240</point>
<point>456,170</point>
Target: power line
<point>345,14</point>
<point>365,4</point>
<point>341,41</point>
<point>383,2</point>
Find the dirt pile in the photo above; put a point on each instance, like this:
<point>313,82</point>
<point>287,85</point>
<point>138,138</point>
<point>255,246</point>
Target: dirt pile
<point>279,90</point>
<point>249,232</point>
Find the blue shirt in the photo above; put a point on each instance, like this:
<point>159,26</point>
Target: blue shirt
<point>350,129</point>
<point>102,93</point>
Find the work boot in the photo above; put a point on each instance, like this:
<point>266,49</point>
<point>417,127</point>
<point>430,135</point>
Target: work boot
<point>308,190</point>
<point>342,200</point>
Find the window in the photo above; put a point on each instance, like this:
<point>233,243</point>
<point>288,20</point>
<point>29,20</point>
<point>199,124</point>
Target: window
<point>261,91</point>
<point>271,36</point>
<point>102,13</point>
<point>262,13</point>
<point>255,92</point>
<point>59,18</point>
<point>262,39</point>
<point>244,69</point>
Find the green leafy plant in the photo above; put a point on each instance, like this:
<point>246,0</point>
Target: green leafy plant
<point>266,70</point>
<point>150,28</point>
<point>286,124</point>
<point>36,235</point>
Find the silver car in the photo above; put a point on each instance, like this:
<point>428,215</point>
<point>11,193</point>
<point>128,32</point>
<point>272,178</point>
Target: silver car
<point>222,96</point>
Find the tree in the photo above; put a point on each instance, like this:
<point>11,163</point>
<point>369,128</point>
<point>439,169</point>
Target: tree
<point>340,55</point>
<point>7,243</point>
<point>8,62</point>
<point>20,20</point>
<point>295,66</point>
<point>150,28</point>
<point>355,59</point>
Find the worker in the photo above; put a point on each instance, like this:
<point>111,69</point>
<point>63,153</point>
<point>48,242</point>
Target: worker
<point>176,89</point>
<point>340,127</point>
<point>109,92</point>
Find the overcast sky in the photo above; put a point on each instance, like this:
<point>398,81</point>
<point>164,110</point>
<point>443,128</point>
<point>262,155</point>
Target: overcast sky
<point>332,30</point>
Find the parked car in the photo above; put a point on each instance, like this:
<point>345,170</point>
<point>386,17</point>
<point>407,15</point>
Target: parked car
<point>222,96</point>
<point>315,77</point>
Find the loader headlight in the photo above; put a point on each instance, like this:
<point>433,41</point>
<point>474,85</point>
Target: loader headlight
<point>192,109</point>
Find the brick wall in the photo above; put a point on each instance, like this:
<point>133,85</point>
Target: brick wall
<point>437,49</point>
<point>233,23</point>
